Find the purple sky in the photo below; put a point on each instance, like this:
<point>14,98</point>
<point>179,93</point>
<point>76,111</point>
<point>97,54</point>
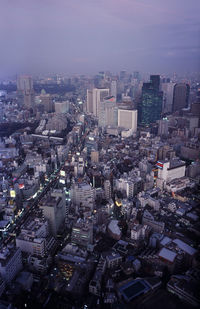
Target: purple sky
<point>85,36</point>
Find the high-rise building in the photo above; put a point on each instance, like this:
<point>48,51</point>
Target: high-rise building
<point>89,104</point>
<point>150,108</point>
<point>94,99</point>
<point>127,119</point>
<point>168,91</point>
<point>180,96</point>
<point>24,83</point>
<point>62,107</point>
<point>54,210</point>
<point>47,102</point>
<point>107,189</point>
<point>82,195</point>
<point>163,125</point>
<point>25,92</point>
<point>113,88</point>
<point>108,113</point>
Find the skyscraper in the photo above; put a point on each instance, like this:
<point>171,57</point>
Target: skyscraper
<point>168,91</point>
<point>24,83</point>
<point>26,92</point>
<point>94,98</point>
<point>89,104</point>
<point>107,113</point>
<point>150,108</point>
<point>113,88</point>
<point>180,96</point>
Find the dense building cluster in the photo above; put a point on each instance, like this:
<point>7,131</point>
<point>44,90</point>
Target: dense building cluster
<point>99,191</point>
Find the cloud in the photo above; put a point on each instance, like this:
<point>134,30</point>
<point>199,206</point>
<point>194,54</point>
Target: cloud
<point>87,35</point>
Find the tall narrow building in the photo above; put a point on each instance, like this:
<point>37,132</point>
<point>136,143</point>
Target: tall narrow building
<point>94,99</point>
<point>150,108</point>
<point>180,96</point>
<point>25,92</point>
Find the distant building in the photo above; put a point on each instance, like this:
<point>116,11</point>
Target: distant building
<point>61,107</point>
<point>25,92</point>
<point>94,99</point>
<point>107,189</point>
<point>108,113</point>
<point>94,156</point>
<point>180,96</point>
<point>113,88</point>
<point>47,102</point>
<point>150,108</point>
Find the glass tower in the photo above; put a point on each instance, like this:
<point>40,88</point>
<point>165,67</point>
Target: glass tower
<point>150,108</point>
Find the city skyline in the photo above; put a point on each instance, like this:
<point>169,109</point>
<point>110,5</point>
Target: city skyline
<point>85,37</point>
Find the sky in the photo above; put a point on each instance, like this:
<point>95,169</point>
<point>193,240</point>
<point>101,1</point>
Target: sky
<point>87,36</point>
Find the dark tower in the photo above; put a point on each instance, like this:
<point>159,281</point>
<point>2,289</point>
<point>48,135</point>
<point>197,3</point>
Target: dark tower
<point>180,96</point>
<point>150,108</point>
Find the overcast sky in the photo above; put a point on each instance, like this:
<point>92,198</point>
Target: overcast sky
<point>86,36</point>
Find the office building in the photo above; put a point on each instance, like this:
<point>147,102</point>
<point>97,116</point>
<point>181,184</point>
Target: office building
<point>150,107</point>
<point>180,96</point>
<point>108,113</point>
<point>127,119</point>
<point>107,189</point>
<point>82,233</point>
<point>47,102</point>
<point>25,92</point>
<point>169,170</point>
<point>32,238</point>
<point>24,83</point>
<point>62,107</point>
<point>113,88</point>
<point>94,99</point>
<point>82,195</point>
<point>168,92</point>
<point>10,263</point>
<point>54,210</point>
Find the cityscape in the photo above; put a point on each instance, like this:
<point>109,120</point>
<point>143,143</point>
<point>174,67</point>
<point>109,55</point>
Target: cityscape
<point>99,169</point>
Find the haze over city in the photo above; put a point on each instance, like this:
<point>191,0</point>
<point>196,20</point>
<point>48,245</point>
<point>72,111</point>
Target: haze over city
<point>87,36</point>
<point>99,154</point>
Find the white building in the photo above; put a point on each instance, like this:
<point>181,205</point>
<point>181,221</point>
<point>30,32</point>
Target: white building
<point>61,107</point>
<point>10,263</point>
<point>82,194</point>
<point>94,98</point>
<point>32,238</point>
<point>127,119</point>
<point>169,170</point>
<point>113,88</point>
<point>108,113</point>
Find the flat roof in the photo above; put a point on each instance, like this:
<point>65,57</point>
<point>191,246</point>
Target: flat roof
<point>167,254</point>
<point>185,247</point>
<point>134,289</point>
